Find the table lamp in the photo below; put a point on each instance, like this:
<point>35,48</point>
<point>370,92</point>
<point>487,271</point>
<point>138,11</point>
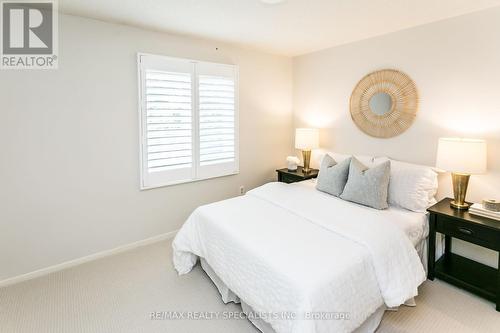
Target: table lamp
<point>305,140</point>
<point>462,157</point>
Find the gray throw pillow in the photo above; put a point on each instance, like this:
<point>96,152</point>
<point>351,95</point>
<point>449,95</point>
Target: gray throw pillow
<point>368,187</point>
<point>332,177</point>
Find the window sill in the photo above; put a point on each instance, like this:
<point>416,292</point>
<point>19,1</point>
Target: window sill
<point>185,181</point>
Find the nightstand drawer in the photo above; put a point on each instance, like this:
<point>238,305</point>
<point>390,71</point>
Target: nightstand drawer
<point>468,232</point>
<point>287,178</point>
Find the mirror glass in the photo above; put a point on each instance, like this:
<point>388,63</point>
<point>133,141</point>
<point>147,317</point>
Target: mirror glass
<point>380,103</point>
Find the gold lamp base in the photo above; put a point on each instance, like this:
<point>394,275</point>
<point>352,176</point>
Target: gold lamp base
<point>463,206</point>
<point>306,155</point>
<point>460,182</point>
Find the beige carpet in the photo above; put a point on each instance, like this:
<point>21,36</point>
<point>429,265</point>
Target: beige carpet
<point>118,294</point>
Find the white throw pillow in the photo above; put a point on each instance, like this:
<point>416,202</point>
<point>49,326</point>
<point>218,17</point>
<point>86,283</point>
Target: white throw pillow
<point>412,186</point>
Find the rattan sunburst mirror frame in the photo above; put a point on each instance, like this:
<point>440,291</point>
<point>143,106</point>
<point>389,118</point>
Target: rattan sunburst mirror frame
<point>404,95</point>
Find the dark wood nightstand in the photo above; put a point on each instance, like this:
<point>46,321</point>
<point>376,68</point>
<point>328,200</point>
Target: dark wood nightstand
<point>298,175</point>
<point>475,277</point>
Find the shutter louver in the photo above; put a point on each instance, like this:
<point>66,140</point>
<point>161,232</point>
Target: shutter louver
<point>168,120</point>
<point>216,119</point>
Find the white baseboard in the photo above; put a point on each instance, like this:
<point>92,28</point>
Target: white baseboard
<point>82,260</point>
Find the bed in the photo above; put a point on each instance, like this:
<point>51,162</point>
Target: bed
<point>300,260</point>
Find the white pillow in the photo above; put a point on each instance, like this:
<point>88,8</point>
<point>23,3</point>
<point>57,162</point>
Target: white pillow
<point>412,186</point>
<point>369,161</point>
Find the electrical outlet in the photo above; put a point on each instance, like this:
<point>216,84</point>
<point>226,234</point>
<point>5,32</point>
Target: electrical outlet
<point>242,190</point>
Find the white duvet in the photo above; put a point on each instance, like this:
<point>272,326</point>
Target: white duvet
<point>289,249</point>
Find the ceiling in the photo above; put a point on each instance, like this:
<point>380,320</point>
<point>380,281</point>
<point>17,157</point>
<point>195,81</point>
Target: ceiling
<point>292,27</point>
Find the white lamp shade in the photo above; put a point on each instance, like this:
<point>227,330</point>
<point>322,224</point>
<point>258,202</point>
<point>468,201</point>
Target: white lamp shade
<point>306,138</point>
<point>466,156</point>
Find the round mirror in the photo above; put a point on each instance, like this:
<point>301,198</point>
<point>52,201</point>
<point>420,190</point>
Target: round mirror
<point>380,103</point>
<point>384,103</point>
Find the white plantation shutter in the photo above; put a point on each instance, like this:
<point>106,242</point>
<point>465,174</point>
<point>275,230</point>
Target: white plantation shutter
<point>188,112</point>
<point>217,119</point>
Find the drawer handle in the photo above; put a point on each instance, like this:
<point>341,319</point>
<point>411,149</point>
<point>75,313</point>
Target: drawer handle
<point>465,231</point>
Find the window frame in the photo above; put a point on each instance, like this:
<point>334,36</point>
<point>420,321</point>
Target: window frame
<point>196,168</point>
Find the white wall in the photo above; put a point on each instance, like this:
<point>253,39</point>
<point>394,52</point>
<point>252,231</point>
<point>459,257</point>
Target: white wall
<point>456,67</point>
<point>69,179</point>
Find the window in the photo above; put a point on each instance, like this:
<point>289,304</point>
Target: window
<point>189,120</point>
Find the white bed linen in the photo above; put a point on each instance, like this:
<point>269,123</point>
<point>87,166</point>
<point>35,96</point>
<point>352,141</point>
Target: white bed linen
<point>414,224</point>
<point>368,326</point>
<point>289,248</point>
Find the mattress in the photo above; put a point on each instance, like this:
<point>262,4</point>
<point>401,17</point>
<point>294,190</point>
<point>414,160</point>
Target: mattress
<point>290,248</point>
